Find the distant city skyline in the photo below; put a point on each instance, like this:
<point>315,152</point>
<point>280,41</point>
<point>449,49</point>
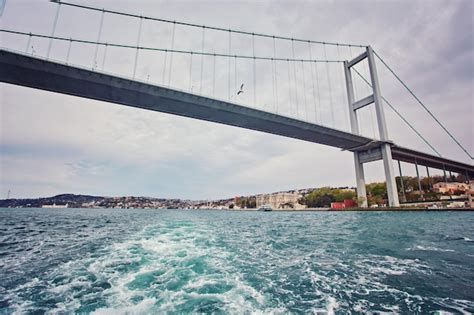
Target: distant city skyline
<point>52,144</point>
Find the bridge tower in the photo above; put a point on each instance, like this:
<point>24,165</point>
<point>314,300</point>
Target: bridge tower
<point>369,153</point>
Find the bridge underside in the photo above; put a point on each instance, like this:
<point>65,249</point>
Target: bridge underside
<point>411,156</point>
<point>46,75</point>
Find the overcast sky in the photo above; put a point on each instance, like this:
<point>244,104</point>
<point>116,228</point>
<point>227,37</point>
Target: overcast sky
<point>52,143</point>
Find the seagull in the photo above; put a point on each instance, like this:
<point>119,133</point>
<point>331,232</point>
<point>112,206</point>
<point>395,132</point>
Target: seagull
<point>241,89</point>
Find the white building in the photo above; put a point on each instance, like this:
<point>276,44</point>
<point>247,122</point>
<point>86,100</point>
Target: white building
<point>55,206</point>
<point>283,200</point>
<point>444,187</point>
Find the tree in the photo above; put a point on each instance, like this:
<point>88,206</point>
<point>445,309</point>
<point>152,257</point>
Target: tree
<point>377,189</point>
<point>461,178</point>
<point>324,201</point>
<point>321,197</point>
<point>341,195</point>
<point>360,201</point>
<point>252,202</point>
<point>405,182</point>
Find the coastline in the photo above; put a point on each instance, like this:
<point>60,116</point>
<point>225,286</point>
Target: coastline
<point>386,209</point>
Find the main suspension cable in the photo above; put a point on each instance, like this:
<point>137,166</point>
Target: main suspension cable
<point>83,41</point>
<point>205,26</point>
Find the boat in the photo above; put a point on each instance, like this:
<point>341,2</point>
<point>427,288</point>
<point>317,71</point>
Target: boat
<point>265,208</point>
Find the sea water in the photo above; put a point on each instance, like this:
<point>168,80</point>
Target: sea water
<point>112,261</point>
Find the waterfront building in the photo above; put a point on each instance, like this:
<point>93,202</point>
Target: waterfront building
<point>55,206</point>
<point>282,200</point>
<point>443,187</point>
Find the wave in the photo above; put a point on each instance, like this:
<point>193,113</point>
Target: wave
<point>429,248</point>
<point>226,263</point>
<point>458,238</point>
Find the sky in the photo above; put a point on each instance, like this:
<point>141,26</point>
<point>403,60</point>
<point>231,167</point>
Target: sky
<point>52,143</point>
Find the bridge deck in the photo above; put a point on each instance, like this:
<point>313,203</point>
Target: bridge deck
<point>51,76</point>
<point>25,70</point>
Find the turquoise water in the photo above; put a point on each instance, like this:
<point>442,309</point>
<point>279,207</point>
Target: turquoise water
<point>183,261</point>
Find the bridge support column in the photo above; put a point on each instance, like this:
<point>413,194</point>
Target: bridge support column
<point>386,148</point>
<point>430,186</point>
<point>390,176</point>
<point>359,166</point>
<point>419,180</point>
<point>402,185</point>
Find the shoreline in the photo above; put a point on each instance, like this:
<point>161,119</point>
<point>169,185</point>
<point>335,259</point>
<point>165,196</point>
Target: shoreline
<point>386,209</point>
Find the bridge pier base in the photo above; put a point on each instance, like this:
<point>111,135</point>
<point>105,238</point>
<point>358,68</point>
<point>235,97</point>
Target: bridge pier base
<point>360,180</point>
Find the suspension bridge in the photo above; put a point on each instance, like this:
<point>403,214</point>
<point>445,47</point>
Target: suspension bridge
<point>285,92</point>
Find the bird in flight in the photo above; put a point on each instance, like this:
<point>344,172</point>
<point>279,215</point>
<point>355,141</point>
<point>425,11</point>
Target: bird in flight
<point>241,89</point>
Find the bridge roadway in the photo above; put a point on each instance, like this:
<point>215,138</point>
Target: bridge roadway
<point>25,70</point>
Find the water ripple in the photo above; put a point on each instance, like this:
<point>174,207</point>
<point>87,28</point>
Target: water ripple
<point>163,261</point>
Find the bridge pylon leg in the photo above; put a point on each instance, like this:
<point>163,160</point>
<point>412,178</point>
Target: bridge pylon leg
<point>386,147</point>
<point>359,166</point>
